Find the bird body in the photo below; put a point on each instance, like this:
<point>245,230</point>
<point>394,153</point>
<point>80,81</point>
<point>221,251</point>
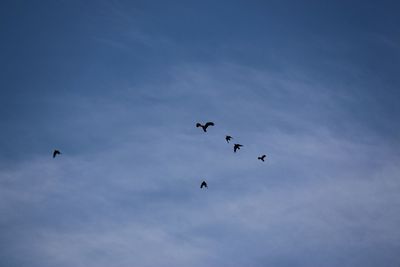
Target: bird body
<point>55,153</point>
<point>203,184</point>
<point>262,157</point>
<point>236,147</point>
<point>205,126</point>
<point>228,138</point>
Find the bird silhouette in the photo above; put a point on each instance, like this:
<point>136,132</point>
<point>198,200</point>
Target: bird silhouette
<point>205,126</point>
<point>203,184</point>
<point>55,153</point>
<point>236,147</point>
<point>262,157</point>
<point>228,138</point>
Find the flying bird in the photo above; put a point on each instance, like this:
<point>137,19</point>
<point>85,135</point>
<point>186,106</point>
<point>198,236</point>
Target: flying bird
<point>55,153</point>
<point>236,147</point>
<point>205,126</point>
<point>228,138</point>
<point>262,157</point>
<point>203,184</point>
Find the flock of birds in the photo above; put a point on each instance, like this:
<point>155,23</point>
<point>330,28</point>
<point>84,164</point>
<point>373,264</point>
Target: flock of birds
<point>228,138</point>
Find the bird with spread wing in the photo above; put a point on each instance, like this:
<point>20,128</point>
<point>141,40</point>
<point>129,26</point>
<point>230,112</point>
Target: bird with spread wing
<point>205,126</point>
<point>203,184</point>
<point>55,153</point>
<point>262,157</point>
<point>236,147</point>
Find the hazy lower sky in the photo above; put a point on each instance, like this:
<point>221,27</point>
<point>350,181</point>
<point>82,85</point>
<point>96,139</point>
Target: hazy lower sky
<point>118,86</point>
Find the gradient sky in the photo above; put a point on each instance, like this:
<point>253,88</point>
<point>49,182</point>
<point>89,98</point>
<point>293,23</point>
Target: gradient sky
<point>118,87</point>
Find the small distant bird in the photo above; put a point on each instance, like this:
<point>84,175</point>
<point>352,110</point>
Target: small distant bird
<point>262,157</point>
<point>203,184</point>
<point>55,153</point>
<point>205,126</point>
<point>236,147</point>
<point>228,138</point>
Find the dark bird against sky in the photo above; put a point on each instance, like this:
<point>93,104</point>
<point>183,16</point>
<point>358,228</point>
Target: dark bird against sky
<point>228,138</point>
<point>262,157</point>
<point>236,147</point>
<point>205,126</point>
<point>203,184</point>
<point>55,153</point>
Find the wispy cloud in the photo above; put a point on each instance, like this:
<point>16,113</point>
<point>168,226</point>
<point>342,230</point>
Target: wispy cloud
<point>136,201</point>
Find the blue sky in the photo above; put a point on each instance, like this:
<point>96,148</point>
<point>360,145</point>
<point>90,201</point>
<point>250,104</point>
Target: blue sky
<point>118,87</point>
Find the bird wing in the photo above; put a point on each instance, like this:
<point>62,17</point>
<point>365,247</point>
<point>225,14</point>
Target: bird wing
<point>209,124</point>
<point>198,125</point>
